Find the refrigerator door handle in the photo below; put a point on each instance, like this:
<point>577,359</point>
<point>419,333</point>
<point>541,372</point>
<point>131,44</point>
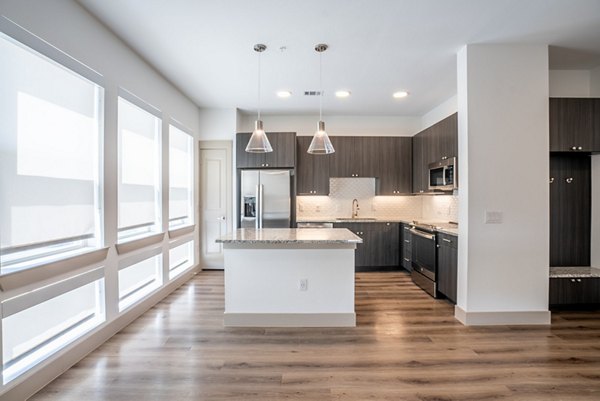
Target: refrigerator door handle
<point>260,206</point>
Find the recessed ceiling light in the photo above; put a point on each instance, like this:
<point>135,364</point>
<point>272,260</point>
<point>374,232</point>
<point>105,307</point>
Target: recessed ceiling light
<point>400,94</point>
<point>284,94</point>
<point>342,93</point>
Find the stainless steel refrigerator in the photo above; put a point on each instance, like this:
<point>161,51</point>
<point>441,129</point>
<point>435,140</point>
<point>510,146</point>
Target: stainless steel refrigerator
<point>265,199</point>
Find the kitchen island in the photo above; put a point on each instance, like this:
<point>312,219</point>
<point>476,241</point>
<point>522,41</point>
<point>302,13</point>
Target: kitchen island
<point>280,277</point>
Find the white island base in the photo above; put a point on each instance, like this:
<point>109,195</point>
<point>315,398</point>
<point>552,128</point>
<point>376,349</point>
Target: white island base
<point>264,280</point>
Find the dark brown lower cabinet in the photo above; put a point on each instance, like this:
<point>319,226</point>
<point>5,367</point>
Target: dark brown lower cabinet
<point>570,209</point>
<point>406,247</point>
<point>380,249</point>
<point>574,292</point>
<point>447,265</point>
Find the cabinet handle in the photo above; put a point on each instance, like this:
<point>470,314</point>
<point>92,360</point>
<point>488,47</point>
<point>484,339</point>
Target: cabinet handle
<point>408,260</point>
<point>572,280</point>
<point>579,148</point>
<point>421,191</point>
<point>573,147</point>
<point>579,280</point>
<point>387,224</point>
<point>444,157</point>
<point>407,241</point>
<point>551,180</point>
<point>446,240</point>
<point>569,180</point>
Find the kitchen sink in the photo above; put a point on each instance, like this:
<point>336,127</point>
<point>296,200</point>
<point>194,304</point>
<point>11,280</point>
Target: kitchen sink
<point>356,219</point>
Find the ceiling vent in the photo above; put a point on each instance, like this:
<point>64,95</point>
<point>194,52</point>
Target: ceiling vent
<point>312,93</point>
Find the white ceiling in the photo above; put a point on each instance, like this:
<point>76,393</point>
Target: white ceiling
<point>376,46</point>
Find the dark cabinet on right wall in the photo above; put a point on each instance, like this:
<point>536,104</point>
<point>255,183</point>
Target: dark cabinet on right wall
<point>438,142</point>
<point>574,125</point>
<point>570,209</point>
<point>447,265</point>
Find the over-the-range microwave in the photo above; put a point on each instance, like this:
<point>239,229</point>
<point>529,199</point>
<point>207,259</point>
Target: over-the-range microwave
<point>442,175</point>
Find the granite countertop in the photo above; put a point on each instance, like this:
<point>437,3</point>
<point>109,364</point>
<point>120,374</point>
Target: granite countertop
<point>574,272</point>
<point>442,227</point>
<point>290,236</point>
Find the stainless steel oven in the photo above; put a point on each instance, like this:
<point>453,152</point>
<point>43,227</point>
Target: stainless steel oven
<point>424,259</point>
<point>442,175</point>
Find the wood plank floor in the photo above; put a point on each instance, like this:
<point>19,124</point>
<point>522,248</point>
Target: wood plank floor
<point>407,346</point>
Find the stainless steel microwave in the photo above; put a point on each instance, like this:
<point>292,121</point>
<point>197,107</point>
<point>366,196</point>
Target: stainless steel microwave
<point>442,175</point>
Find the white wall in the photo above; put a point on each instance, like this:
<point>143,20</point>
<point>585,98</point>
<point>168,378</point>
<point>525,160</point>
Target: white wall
<point>68,27</point>
<point>217,124</point>
<point>336,125</point>
<point>439,112</point>
<point>503,147</point>
<point>595,82</point>
<point>569,83</point>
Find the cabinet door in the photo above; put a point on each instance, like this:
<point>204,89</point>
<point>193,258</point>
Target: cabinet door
<point>570,210</point>
<point>367,153</point>
<point>418,164</point>
<point>574,291</point>
<point>449,137</point>
<point>447,266</point>
<point>243,158</point>
<point>312,171</point>
<point>284,150</point>
<point>343,162</point>
<point>406,247</point>
<point>360,254</point>
<point>395,155</point>
<point>571,124</point>
<point>596,140</point>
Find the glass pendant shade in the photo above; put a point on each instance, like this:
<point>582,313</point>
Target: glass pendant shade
<point>320,144</point>
<point>259,143</point>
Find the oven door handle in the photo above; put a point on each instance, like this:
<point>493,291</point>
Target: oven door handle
<point>422,234</point>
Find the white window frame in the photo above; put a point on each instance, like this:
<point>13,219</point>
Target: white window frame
<point>34,255</point>
<point>143,230</point>
<point>191,219</point>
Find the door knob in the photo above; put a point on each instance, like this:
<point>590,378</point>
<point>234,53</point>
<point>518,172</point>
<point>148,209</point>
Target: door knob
<point>221,218</point>
<point>569,180</point>
<point>551,180</point>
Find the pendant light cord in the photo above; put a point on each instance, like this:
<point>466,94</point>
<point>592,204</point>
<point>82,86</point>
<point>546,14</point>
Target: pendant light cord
<point>321,85</point>
<point>259,85</point>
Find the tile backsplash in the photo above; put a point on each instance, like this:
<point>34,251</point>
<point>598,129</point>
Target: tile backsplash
<point>343,190</point>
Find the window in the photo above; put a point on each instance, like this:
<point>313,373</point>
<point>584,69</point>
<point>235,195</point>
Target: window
<point>139,171</point>
<point>138,280</point>
<point>50,121</point>
<point>181,195</point>
<point>180,259</point>
<point>33,333</point>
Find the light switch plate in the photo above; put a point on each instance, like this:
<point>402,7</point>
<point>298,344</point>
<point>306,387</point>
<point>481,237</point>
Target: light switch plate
<point>493,217</point>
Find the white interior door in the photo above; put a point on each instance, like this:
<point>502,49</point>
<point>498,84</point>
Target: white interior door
<point>215,200</point>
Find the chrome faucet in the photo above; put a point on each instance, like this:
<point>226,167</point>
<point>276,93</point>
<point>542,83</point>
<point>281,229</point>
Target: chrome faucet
<point>355,208</point>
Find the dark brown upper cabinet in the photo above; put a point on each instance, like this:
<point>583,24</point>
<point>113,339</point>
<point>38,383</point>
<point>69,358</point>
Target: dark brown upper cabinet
<point>572,125</point>
<point>438,142</point>
<point>395,165</point>
<point>282,156</point>
<point>596,125</point>
<point>355,156</point>
<point>312,171</point>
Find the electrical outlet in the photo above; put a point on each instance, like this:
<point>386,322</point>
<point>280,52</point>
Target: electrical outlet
<point>493,217</point>
<point>303,284</point>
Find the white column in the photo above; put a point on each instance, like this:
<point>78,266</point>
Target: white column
<point>503,166</point>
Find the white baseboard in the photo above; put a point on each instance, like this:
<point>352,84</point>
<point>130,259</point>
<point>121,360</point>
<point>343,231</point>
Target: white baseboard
<point>289,319</point>
<point>35,379</point>
<point>502,318</point>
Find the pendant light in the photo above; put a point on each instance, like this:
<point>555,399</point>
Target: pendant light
<point>320,144</point>
<point>259,143</point>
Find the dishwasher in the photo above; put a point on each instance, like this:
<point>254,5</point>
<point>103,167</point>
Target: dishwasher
<point>315,225</point>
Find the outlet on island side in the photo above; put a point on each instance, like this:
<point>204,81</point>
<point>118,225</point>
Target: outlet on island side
<point>303,284</point>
